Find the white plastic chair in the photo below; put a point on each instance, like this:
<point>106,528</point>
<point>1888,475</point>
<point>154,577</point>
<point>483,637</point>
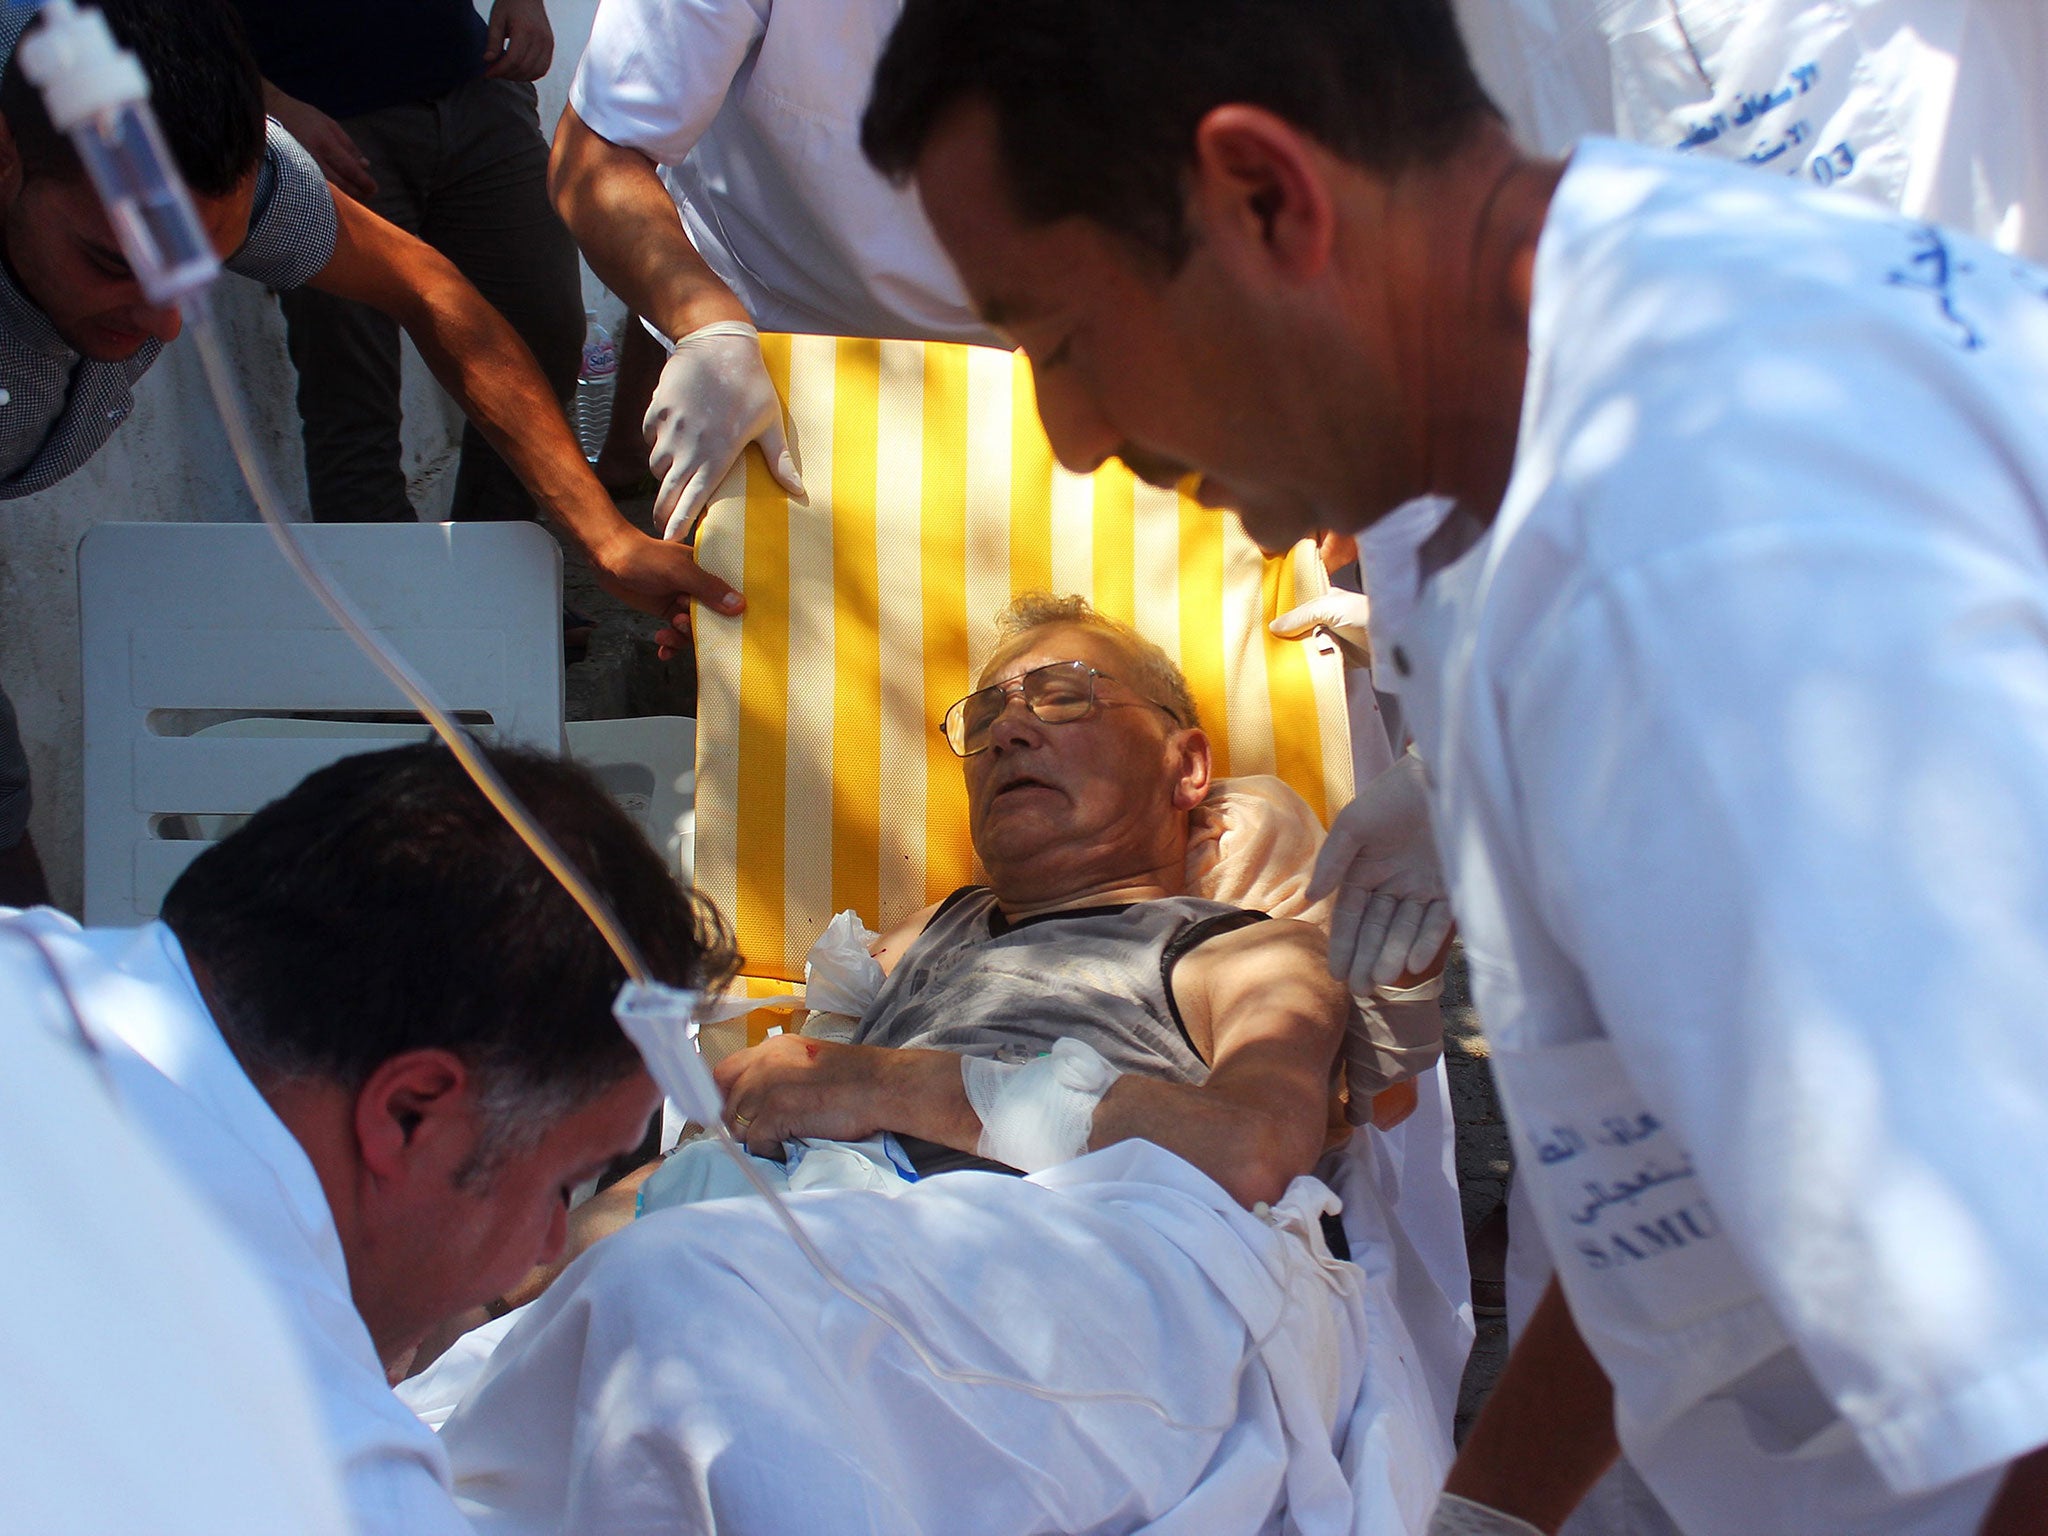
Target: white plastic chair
<point>646,764</point>
<point>179,618</point>
<point>649,766</point>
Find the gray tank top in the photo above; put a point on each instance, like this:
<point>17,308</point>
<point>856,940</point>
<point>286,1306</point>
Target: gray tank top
<point>973,983</point>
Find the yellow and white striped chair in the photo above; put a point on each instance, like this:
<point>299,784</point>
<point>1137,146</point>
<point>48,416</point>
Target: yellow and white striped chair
<point>822,780</point>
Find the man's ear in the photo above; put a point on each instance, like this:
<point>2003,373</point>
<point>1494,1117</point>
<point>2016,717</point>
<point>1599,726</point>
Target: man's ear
<point>416,1110</point>
<point>1191,786</point>
<point>1259,194</point>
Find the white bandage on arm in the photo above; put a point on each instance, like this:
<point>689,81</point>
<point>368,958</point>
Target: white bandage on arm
<point>1462,1517</point>
<point>1038,1114</point>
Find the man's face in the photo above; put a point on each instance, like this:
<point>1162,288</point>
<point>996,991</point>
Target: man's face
<point>1062,807</point>
<point>66,261</point>
<point>468,1240</point>
<point>1174,375</point>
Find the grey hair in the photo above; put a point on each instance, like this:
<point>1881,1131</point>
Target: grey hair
<point>514,1113</point>
<point>1154,673</point>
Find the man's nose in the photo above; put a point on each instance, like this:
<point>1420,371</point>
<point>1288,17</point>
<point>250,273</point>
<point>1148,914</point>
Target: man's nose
<point>1082,438</point>
<point>1015,724</point>
<point>164,324</point>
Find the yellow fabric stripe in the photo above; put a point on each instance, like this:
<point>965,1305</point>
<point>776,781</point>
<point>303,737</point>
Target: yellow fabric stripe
<point>1032,491</point>
<point>1297,750</point>
<point>1201,629</point>
<point>757,898</point>
<point>1115,552</point>
<point>855,598</point>
<point>945,564</point>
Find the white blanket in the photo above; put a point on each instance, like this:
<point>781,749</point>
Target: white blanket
<point>695,1373</point>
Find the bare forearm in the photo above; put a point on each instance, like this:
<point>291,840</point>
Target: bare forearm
<point>1253,1147</point>
<point>615,205</point>
<point>480,360</point>
<point>922,1095</point>
<point>2021,1508</point>
<point>1547,1433</point>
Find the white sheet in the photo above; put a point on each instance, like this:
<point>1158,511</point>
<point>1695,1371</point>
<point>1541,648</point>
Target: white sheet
<point>695,1372</point>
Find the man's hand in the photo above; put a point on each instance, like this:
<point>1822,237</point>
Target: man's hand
<point>521,44</point>
<point>325,140</point>
<point>1392,922</point>
<point>789,1086</point>
<point>714,397</point>
<point>658,577</point>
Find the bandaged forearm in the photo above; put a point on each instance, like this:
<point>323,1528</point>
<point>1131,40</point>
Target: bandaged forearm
<point>1388,1043</point>
<point>1037,1114</point>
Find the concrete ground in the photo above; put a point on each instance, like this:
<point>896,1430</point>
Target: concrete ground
<point>622,678</point>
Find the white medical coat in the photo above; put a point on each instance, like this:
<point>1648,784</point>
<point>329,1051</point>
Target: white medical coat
<point>752,110</point>
<point>151,1382</point>
<point>181,1083</point>
<point>1738,719</point>
<point>1938,108</point>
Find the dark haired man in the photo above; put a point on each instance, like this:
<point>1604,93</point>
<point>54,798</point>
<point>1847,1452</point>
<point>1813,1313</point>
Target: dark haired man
<point>375,1032</point>
<point>1728,666</point>
<point>76,331</point>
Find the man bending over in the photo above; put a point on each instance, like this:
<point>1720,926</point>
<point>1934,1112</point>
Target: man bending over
<point>375,1033</point>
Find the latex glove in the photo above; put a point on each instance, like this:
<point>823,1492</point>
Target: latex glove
<point>1454,1516</point>
<point>713,398</point>
<point>1393,918</point>
<point>1339,614</point>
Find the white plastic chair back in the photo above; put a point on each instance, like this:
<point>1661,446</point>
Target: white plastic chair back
<point>648,764</point>
<point>186,625</point>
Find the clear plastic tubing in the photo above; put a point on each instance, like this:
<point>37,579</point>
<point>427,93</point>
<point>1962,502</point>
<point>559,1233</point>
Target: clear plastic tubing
<point>97,93</point>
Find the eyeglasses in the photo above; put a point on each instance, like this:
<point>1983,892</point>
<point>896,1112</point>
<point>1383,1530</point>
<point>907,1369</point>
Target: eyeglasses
<point>1058,692</point>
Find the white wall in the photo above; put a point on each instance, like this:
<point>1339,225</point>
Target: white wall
<point>169,462</point>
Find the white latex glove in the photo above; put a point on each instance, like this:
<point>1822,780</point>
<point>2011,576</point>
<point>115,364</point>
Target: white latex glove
<point>1393,915</point>
<point>1454,1516</point>
<point>713,398</point>
<point>1337,613</point>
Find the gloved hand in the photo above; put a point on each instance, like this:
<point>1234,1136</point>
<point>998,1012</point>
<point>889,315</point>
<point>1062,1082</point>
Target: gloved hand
<point>1339,614</point>
<point>713,398</point>
<point>1454,1516</point>
<point>1393,917</point>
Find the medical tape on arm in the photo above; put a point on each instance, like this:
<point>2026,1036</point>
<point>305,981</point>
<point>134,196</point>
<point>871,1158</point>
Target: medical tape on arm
<point>1037,1114</point>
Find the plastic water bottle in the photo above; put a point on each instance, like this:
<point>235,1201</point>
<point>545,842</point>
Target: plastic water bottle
<point>597,379</point>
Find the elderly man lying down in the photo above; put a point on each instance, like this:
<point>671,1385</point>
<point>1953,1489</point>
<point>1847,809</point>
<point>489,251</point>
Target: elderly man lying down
<point>1197,1357</point>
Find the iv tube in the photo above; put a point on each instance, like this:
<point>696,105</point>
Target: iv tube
<point>96,92</point>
